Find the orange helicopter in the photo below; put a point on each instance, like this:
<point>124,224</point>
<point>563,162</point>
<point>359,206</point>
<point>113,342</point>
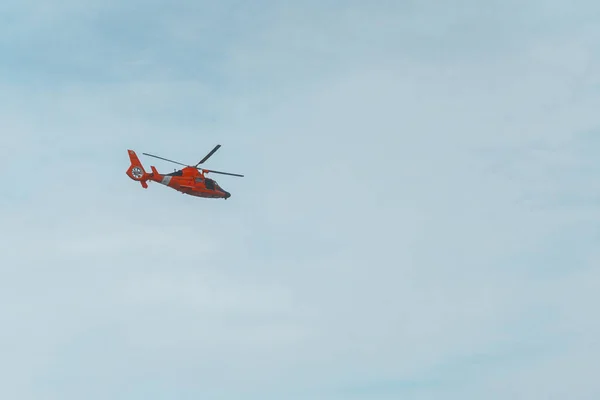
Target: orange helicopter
<point>189,180</point>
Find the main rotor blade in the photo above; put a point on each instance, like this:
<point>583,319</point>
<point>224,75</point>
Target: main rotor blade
<point>223,173</point>
<point>175,162</point>
<point>209,154</point>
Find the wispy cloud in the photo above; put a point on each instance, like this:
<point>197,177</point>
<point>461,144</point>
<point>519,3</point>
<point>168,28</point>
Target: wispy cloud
<point>417,220</point>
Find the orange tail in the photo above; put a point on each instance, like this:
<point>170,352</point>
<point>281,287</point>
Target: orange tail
<point>136,171</point>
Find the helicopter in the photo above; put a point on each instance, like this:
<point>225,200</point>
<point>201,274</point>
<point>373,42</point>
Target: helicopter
<point>190,180</point>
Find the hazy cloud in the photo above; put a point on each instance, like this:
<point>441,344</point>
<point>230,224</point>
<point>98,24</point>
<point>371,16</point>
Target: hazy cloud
<point>417,220</point>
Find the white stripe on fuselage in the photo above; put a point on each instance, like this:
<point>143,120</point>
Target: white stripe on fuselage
<point>165,180</point>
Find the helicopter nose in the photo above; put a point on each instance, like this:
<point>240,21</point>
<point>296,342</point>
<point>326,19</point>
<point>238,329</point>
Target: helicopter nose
<point>227,194</point>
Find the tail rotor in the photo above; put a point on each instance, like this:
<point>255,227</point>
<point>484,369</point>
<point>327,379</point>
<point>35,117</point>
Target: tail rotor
<point>136,170</point>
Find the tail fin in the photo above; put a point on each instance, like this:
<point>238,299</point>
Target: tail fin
<point>136,171</point>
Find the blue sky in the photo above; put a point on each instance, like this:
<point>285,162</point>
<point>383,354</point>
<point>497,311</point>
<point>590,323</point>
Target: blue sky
<point>418,220</point>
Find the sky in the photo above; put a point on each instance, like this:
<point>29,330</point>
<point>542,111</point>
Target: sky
<point>418,218</point>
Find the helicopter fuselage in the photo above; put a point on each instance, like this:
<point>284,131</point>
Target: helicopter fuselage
<point>191,181</point>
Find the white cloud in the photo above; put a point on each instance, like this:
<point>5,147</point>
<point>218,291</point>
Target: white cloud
<point>404,214</point>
